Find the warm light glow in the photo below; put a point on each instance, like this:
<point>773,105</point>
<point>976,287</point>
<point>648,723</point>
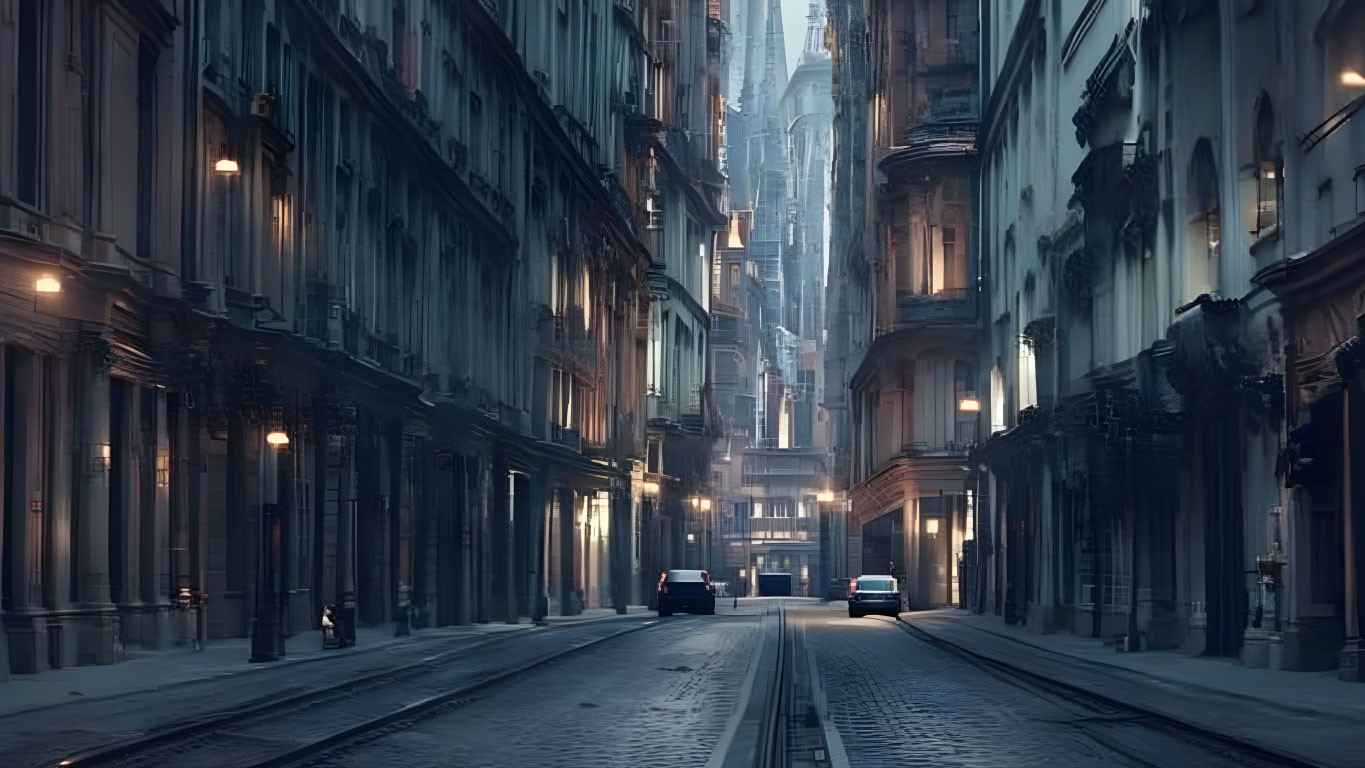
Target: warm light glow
<point>969,404</point>
<point>47,284</point>
<point>706,505</point>
<point>742,572</point>
<point>650,488</point>
<point>1353,79</point>
<point>825,496</point>
<point>931,526</point>
<point>277,438</point>
<point>696,502</point>
<point>226,165</point>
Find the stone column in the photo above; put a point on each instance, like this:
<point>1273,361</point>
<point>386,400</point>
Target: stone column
<point>620,533</point>
<point>24,621</point>
<point>57,481</point>
<point>345,541</point>
<point>1049,559</point>
<point>129,458</point>
<point>95,635</point>
<point>567,514</point>
<point>1349,657</point>
<point>156,583</point>
<point>5,394</point>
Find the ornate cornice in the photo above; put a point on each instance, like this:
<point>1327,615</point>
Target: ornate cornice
<point>1113,76</point>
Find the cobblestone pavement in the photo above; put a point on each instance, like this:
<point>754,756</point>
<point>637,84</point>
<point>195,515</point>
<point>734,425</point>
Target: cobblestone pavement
<point>656,698</point>
<point>899,700</point>
<point>46,736</point>
<point>670,692</point>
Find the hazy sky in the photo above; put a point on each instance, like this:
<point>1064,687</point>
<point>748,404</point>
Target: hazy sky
<point>794,21</point>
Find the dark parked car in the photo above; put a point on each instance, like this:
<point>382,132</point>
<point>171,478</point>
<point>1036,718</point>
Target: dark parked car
<point>873,594</point>
<point>686,592</point>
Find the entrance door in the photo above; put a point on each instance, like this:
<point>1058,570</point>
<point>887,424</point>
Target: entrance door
<point>881,546</point>
<point>933,550</point>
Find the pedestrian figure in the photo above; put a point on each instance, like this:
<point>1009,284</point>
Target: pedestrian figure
<point>329,628</point>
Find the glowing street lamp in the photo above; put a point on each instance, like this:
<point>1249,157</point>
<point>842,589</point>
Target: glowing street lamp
<point>226,165</point>
<point>47,284</point>
<point>969,404</point>
<point>825,496</point>
<point>277,438</point>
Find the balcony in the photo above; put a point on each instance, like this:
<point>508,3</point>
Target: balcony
<point>569,438</point>
<point>949,54</point>
<point>955,305</point>
<point>796,529</point>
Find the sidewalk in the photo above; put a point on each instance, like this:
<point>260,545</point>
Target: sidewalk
<point>1311,716</point>
<point>154,670</point>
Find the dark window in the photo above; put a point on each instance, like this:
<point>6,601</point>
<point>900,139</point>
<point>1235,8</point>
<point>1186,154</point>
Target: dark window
<point>26,149</point>
<point>1269,168</point>
<point>146,148</point>
<point>272,59</point>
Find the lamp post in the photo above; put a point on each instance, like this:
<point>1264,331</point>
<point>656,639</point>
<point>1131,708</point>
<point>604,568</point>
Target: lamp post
<point>266,643</point>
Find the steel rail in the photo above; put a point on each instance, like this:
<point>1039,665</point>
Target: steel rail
<point>773,747</point>
<point>202,726</point>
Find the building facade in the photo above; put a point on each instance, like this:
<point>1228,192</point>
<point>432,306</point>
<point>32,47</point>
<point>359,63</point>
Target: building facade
<point>907,303</point>
<point>1170,454</point>
<point>333,303</point>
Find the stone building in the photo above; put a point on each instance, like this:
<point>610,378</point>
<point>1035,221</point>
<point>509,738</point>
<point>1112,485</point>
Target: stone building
<point>321,302</point>
<point>1168,361</point>
<point>806,111</point>
<point>674,135</point>
<point>905,312</point>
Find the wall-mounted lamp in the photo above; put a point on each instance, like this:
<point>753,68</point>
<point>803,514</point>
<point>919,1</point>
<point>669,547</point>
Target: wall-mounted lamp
<point>277,438</point>
<point>825,496</point>
<point>650,487</point>
<point>163,469</point>
<point>1352,79</point>
<point>47,284</point>
<point>706,505</point>
<point>226,165</point>
<point>969,404</point>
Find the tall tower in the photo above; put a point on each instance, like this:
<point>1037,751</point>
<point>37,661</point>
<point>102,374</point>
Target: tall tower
<point>815,32</point>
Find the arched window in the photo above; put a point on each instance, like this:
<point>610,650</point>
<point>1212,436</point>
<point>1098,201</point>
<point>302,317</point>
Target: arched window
<point>1269,167</point>
<point>1205,221</point>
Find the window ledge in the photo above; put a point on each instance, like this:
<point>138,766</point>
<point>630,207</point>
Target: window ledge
<point>1271,232</point>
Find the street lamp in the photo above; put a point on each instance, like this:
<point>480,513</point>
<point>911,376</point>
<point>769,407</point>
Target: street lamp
<point>266,641</point>
<point>225,164</point>
<point>47,284</point>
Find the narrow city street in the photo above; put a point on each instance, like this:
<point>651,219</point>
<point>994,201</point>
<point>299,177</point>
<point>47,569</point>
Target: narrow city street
<point>636,691</point>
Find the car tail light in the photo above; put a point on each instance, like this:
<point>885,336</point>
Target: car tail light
<point>853,588</point>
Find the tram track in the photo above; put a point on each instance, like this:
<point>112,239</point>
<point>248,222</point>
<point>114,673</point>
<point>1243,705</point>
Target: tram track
<point>299,726</point>
<point>1116,725</point>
